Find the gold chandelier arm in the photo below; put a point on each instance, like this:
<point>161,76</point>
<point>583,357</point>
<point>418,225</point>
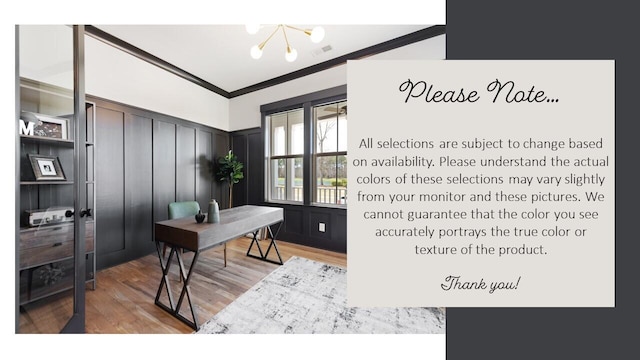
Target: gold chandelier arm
<point>306,31</point>
<point>262,44</point>
<point>285,37</point>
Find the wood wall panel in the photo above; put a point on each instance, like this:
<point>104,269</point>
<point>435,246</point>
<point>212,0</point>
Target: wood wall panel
<point>255,167</point>
<point>185,163</point>
<point>204,168</point>
<point>221,148</point>
<point>144,161</point>
<point>138,185</point>
<point>293,223</point>
<point>109,212</point>
<point>164,168</point>
<point>240,189</point>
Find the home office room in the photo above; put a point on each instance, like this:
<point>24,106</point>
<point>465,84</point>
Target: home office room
<point>179,179</point>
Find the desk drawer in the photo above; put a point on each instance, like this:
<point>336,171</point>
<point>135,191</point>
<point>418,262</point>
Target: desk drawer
<point>48,244</point>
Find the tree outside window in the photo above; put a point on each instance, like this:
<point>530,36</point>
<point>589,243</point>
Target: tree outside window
<point>330,153</point>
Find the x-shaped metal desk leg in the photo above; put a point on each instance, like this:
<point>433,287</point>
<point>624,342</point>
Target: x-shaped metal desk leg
<point>272,244</point>
<point>174,309</point>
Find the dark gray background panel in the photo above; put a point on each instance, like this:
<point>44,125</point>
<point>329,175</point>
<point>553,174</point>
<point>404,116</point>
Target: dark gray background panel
<point>585,29</point>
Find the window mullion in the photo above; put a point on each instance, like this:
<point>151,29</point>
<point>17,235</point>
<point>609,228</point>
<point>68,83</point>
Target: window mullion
<point>307,166</point>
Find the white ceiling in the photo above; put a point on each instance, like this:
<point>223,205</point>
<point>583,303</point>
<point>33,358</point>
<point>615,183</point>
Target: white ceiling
<point>219,54</point>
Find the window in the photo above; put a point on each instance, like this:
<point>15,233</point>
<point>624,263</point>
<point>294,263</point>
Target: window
<point>285,146</point>
<point>306,149</point>
<point>330,153</point>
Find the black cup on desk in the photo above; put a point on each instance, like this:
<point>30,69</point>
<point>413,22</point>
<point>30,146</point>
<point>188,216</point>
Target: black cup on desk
<point>199,217</point>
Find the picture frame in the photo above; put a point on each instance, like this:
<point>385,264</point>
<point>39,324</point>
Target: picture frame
<point>41,125</point>
<point>46,167</point>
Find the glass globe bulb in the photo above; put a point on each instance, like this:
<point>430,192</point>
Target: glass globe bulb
<point>252,28</point>
<point>291,55</point>
<point>317,34</point>
<point>256,52</point>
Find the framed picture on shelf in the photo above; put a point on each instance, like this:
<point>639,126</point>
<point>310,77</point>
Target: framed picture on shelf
<point>46,167</point>
<point>34,124</point>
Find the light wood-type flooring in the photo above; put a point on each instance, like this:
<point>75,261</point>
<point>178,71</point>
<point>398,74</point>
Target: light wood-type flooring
<point>123,302</point>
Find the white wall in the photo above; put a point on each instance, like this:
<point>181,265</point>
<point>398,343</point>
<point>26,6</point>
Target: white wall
<point>244,111</point>
<point>46,54</point>
<point>115,75</point>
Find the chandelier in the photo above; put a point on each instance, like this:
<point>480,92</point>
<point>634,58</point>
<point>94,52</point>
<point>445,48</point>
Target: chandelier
<point>316,34</point>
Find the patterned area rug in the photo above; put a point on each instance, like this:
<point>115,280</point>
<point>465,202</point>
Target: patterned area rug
<point>308,297</point>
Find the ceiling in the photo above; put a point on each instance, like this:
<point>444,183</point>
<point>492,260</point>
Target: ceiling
<point>219,54</point>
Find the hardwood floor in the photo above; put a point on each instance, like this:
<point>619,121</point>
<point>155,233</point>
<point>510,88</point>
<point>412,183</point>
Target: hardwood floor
<point>123,302</point>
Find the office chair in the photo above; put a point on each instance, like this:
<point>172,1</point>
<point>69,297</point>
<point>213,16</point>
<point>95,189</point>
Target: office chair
<point>184,209</point>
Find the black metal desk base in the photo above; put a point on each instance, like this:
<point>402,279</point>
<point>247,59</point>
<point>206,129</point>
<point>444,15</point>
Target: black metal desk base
<point>172,308</point>
<point>272,244</point>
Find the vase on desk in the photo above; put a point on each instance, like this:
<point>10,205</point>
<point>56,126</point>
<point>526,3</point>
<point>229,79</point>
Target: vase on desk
<point>214,212</point>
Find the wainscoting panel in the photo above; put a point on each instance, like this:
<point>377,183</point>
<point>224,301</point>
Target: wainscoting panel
<point>255,168</point>
<point>185,163</point>
<point>338,241</point>
<point>138,185</point>
<point>144,161</point>
<point>315,219</point>
<point>204,168</point>
<point>109,210</point>
<point>220,190</point>
<point>240,150</point>
<point>294,223</point>
<point>164,168</point>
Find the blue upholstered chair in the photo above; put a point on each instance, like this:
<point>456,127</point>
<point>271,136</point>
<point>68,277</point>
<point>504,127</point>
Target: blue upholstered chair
<point>187,209</point>
<point>183,209</point>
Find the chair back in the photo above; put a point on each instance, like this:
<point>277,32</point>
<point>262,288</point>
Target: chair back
<point>183,209</point>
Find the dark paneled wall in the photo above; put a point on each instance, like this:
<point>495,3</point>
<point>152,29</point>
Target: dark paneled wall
<point>144,161</point>
<point>301,222</point>
<point>109,212</point>
<point>138,182</point>
<point>221,147</point>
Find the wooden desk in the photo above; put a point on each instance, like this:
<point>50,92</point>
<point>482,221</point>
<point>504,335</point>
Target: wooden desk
<point>186,233</point>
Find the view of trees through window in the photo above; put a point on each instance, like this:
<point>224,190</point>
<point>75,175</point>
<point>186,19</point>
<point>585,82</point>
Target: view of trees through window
<point>330,153</point>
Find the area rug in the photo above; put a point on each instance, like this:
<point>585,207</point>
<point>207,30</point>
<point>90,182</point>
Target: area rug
<point>308,297</point>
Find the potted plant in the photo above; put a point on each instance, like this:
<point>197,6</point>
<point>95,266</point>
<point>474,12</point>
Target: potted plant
<point>230,169</point>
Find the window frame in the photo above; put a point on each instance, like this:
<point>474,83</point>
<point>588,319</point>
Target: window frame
<point>289,192</point>
<point>307,102</point>
<point>316,154</point>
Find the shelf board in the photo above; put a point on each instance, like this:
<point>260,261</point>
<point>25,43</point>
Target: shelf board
<point>62,182</point>
<point>42,139</point>
<point>41,293</point>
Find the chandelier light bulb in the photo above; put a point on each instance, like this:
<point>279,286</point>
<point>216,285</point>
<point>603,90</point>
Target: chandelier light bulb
<point>256,52</point>
<point>291,55</point>
<point>317,34</point>
<point>252,28</point>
